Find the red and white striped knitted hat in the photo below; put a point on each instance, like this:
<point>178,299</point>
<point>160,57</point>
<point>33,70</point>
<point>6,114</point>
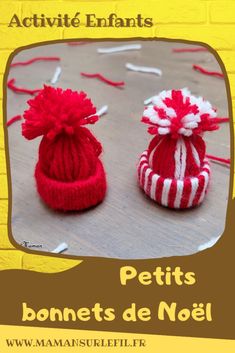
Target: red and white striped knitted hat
<point>174,171</point>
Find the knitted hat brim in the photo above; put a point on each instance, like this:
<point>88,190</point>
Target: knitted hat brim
<point>173,193</point>
<point>72,196</point>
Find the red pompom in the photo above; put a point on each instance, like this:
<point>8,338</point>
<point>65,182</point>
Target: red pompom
<point>178,113</point>
<point>54,111</point>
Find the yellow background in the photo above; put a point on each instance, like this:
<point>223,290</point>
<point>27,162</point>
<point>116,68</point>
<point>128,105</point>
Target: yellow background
<point>154,343</point>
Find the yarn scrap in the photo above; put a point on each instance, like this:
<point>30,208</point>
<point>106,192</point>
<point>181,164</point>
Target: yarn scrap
<point>56,75</point>
<point>11,85</point>
<point>207,72</point>
<point>14,119</point>
<point>189,50</point>
<point>144,69</point>
<point>119,48</point>
<point>33,60</point>
<point>60,248</point>
<point>103,79</point>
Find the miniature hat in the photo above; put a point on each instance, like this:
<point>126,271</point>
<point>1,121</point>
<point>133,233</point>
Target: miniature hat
<point>69,174</point>
<point>174,171</point>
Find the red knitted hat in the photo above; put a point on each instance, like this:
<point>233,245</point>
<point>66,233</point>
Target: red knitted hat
<point>174,171</point>
<point>69,174</point>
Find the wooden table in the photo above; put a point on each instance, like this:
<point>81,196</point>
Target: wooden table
<point>127,224</point>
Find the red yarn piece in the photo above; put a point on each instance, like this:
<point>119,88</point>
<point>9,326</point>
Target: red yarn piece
<point>13,120</point>
<point>69,174</point>
<point>207,72</point>
<point>221,120</point>
<point>174,170</point>
<point>11,85</point>
<point>219,159</point>
<point>33,60</point>
<point>188,50</point>
<point>103,79</point>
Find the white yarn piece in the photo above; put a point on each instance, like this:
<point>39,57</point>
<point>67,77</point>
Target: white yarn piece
<point>119,48</point>
<point>148,101</point>
<point>148,171</point>
<point>165,191</point>
<point>206,181</point>
<point>208,244</point>
<point>103,110</point>
<point>153,186</point>
<point>145,69</point>
<point>179,192</point>
<point>56,75</point>
<point>155,99</point>
<point>194,187</point>
<point>60,248</point>
<point>180,159</point>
